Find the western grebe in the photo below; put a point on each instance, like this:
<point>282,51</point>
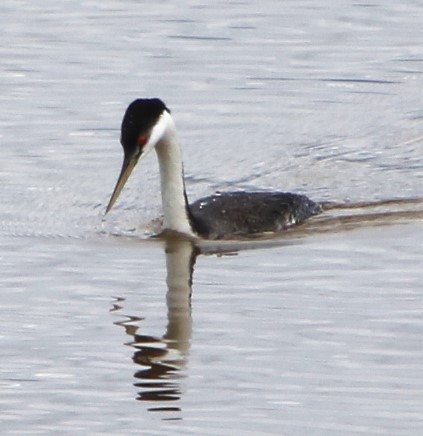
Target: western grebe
<point>148,124</point>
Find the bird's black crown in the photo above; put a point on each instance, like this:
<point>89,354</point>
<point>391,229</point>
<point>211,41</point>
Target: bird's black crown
<point>140,117</point>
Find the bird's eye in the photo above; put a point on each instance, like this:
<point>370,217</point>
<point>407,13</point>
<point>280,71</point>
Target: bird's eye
<point>142,140</point>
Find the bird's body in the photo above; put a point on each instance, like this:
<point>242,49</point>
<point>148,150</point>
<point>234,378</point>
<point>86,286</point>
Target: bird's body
<point>148,124</point>
<point>243,213</point>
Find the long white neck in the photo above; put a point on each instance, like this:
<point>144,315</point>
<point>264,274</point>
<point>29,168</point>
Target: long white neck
<point>172,178</point>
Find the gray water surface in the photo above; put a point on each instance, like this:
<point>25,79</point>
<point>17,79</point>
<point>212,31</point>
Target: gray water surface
<point>105,331</point>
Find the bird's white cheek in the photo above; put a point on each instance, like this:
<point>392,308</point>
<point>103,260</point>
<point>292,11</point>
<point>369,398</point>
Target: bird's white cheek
<point>160,130</point>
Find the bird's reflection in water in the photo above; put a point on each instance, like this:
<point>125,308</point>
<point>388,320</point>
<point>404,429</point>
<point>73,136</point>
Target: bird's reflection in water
<point>164,358</point>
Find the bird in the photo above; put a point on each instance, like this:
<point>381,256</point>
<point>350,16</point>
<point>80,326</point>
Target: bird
<point>147,124</point>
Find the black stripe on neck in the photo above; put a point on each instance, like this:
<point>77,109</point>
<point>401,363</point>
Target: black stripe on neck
<point>197,226</point>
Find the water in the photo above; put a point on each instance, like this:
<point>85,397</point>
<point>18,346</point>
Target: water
<point>315,333</point>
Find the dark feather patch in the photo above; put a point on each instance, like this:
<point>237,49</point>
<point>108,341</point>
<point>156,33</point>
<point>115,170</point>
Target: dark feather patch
<point>243,213</point>
<point>140,117</point>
